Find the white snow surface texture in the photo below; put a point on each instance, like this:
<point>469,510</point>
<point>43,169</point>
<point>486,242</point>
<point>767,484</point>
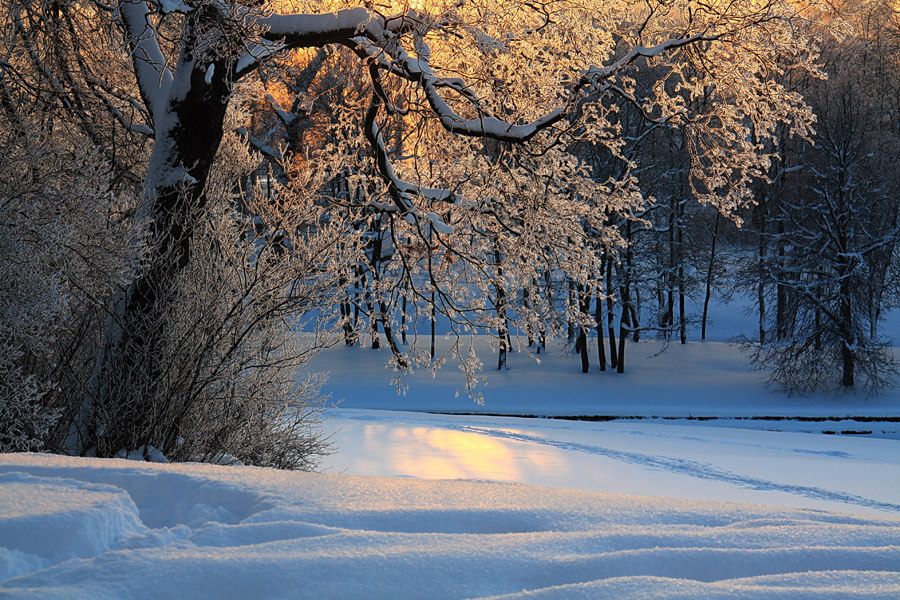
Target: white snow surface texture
<point>111,529</point>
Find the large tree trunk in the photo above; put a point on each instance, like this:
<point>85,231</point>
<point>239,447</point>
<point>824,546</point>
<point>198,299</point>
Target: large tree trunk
<point>119,411</point>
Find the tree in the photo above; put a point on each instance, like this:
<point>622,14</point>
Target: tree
<point>833,223</point>
<point>531,77</point>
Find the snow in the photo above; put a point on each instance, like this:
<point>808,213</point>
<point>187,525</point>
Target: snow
<point>148,453</point>
<point>843,473</point>
<point>698,380</point>
<point>682,491</point>
<point>256,52</point>
<point>438,223</point>
<point>153,77</point>
<point>318,26</point>
<point>172,6</point>
<point>109,529</point>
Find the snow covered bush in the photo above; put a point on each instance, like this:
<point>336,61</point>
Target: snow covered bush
<point>223,380</point>
<point>226,382</point>
<point>24,424</point>
<point>62,248</point>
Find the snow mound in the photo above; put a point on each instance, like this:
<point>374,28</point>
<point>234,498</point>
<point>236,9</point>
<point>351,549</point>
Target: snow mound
<point>111,529</point>
<point>46,520</point>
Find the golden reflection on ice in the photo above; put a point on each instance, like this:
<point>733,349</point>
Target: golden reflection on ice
<point>436,453</point>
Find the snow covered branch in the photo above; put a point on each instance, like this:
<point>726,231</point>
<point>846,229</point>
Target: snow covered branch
<point>153,76</point>
<point>261,146</point>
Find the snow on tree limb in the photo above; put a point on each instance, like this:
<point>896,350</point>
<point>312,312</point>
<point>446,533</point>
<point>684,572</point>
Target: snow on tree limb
<point>260,145</point>
<point>306,30</point>
<point>153,76</point>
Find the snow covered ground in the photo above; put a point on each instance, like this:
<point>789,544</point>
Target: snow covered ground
<point>704,484</point>
<point>843,473</point>
<point>111,529</point>
<point>709,380</point>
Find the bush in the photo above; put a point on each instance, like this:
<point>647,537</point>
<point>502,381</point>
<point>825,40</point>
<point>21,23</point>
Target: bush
<point>223,380</point>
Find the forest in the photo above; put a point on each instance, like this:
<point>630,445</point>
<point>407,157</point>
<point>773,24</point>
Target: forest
<point>196,196</point>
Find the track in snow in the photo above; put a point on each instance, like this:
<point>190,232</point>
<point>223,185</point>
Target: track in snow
<point>663,442</point>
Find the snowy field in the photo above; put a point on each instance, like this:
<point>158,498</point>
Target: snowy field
<point>698,482</point>
<point>843,473</point>
<point>92,529</point>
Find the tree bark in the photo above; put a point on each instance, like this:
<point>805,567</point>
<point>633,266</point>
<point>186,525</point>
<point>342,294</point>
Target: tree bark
<point>761,260</point>
<point>598,318</point>
<point>679,239</point>
<point>610,307</point>
<point>502,327</point>
<point>584,305</point>
<point>624,324</point>
<point>709,277</point>
<point>848,336</point>
<point>129,373</point>
<point>433,319</point>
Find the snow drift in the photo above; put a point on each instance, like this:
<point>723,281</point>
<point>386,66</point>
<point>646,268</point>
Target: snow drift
<point>109,529</point>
